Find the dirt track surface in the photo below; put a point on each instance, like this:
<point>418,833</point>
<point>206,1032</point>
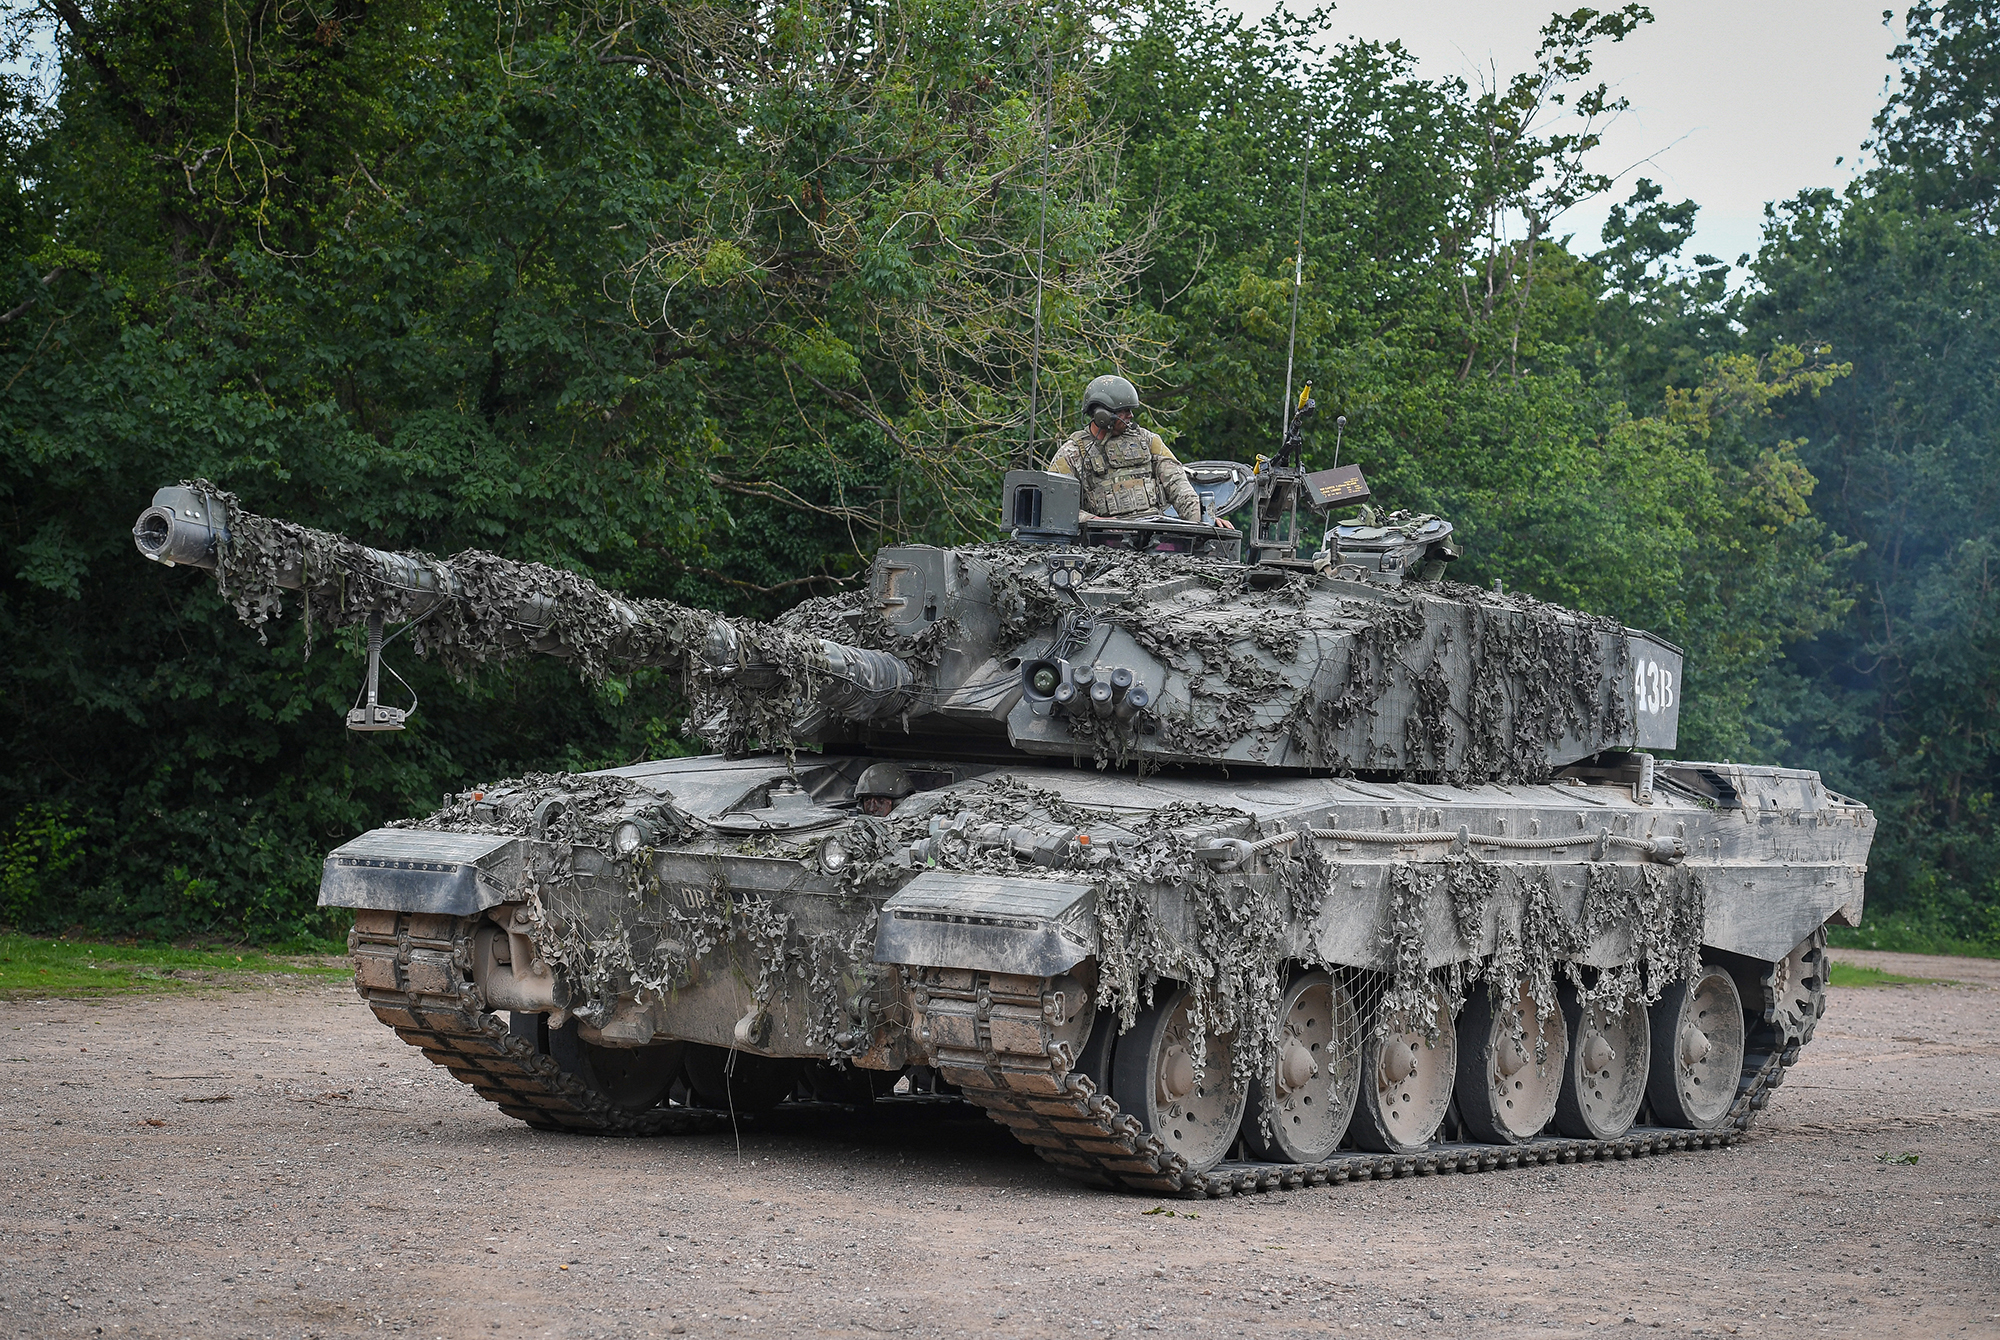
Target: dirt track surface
<point>277,1163</point>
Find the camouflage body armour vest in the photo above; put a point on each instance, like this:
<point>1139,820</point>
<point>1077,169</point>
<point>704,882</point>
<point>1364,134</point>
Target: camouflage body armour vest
<point>1118,475</point>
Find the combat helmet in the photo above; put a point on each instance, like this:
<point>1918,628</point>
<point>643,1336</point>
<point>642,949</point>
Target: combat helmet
<point>880,786</point>
<point>1111,392</point>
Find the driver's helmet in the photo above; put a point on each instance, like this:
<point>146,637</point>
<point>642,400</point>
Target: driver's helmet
<point>887,780</point>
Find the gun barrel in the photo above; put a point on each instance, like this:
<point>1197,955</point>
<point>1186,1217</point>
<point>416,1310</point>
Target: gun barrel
<point>189,527</point>
<point>492,607</point>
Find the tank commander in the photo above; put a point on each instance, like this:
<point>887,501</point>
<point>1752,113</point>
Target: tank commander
<point>1126,471</point>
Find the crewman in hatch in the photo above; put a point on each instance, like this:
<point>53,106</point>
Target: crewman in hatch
<point>880,787</point>
<point>1126,471</point>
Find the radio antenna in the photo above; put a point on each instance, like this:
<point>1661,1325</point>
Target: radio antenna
<point>1298,281</point>
<point>1041,258</point>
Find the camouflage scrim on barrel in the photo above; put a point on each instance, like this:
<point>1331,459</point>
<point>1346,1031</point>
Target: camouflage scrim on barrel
<point>750,683</point>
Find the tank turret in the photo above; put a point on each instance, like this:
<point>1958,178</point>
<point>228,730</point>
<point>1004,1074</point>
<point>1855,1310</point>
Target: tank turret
<point>1085,649</point>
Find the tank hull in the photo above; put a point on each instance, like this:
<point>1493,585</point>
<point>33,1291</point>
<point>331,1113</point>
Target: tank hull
<point>1007,926</point>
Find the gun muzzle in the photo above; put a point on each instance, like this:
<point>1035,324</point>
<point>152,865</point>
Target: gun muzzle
<point>182,527</point>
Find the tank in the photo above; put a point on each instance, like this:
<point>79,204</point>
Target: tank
<point>1206,855</point>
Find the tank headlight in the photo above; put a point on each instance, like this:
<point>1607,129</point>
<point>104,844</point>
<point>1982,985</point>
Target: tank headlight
<point>833,856</point>
<point>1041,679</point>
<point>629,837</point>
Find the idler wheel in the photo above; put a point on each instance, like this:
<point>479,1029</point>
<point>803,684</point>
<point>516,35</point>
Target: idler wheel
<point>1605,1080</point>
<point>755,1084</point>
<point>1407,1068</point>
<point>1179,1085</point>
<point>1298,1113</point>
<point>630,1079</point>
<point>1510,1070</point>
<point>1697,1051</point>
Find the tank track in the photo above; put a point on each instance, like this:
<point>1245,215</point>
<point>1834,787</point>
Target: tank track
<point>415,973</point>
<point>1060,1113</point>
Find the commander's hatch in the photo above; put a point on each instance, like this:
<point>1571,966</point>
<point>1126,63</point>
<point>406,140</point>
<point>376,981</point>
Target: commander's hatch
<point>1393,545</point>
<point>1226,487</point>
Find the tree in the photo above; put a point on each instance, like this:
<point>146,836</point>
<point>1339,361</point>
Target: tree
<point>1901,703</point>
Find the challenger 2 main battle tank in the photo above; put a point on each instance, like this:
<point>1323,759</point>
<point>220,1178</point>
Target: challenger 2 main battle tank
<point>1206,859</point>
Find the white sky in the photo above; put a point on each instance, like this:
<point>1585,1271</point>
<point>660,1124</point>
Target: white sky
<point>1734,102</point>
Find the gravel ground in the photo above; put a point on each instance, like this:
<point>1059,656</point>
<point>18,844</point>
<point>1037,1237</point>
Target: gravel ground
<point>274,1162</point>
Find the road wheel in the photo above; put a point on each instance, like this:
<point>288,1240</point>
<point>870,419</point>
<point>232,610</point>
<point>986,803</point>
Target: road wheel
<point>1179,1084</point>
<point>1604,1082</point>
<point>1697,1051</point>
<point>1298,1113</point>
<point>1407,1070</point>
<point>1510,1066</point>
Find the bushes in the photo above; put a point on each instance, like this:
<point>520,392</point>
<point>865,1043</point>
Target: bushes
<point>39,867</point>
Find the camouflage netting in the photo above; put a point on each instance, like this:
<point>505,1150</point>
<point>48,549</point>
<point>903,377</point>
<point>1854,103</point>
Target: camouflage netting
<point>612,929</point>
<point>1662,908</point>
<point>592,804</point>
<point>1162,913</point>
<point>502,608</point>
<point>661,940</point>
<point>1254,648</point>
<point>1231,950</point>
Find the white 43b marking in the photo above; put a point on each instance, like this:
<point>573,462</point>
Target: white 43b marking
<point>1652,686</point>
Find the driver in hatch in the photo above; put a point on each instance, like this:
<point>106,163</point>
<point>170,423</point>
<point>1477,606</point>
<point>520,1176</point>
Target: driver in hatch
<point>880,786</point>
<point>1126,471</point>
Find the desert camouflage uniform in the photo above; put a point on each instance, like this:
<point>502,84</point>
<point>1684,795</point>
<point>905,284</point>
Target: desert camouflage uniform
<point>1130,474</point>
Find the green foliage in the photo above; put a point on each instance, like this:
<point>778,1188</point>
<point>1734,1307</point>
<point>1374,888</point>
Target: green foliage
<point>396,325</point>
<point>37,863</point>
<point>33,968</point>
<point>1852,974</point>
<point>1917,930</point>
<point>708,301</point>
<point>1900,703</point>
<point>1936,135</point>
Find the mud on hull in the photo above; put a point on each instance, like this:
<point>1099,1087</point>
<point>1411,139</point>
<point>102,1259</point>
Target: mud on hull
<point>1171,984</point>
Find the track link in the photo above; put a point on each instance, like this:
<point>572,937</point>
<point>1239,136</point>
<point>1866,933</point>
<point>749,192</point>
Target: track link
<point>1026,1085</point>
<point>415,973</point>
